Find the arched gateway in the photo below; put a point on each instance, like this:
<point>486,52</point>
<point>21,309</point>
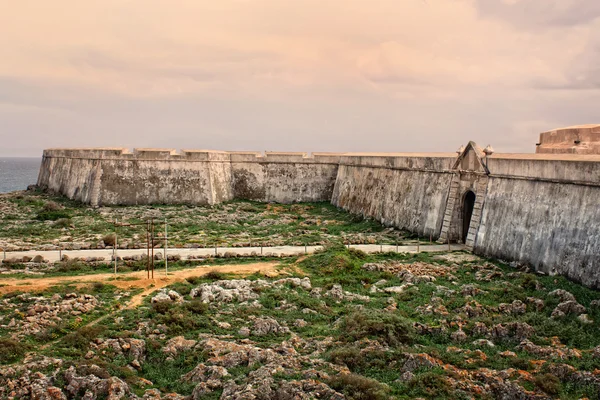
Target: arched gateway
<point>465,197</point>
<point>467,213</point>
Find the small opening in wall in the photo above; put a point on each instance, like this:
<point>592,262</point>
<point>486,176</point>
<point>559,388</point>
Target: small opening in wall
<point>468,205</point>
<point>577,141</point>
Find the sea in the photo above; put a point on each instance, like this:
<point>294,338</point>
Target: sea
<point>16,173</point>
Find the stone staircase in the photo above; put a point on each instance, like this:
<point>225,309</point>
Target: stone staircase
<point>480,194</point>
<point>450,204</point>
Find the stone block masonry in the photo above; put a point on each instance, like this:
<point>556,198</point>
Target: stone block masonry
<point>540,209</point>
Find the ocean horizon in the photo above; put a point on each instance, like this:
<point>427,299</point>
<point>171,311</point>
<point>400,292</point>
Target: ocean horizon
<point>16,173</point>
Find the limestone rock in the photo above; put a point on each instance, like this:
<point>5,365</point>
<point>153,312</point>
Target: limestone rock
<point>177,345</point>
<point>266,326</point>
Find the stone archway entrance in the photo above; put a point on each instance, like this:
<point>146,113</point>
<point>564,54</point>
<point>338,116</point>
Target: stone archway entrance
<point>467,213</point>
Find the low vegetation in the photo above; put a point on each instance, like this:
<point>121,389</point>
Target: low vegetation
<point>32,220</point>
<point>339,324</point>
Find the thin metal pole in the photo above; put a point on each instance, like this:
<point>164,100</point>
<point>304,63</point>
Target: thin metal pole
<point>418,251</point>
<point>152,244</point>
<point>448,244</point>
<point>115,247</point>
<point>166,261</point>
<point>148,249</point>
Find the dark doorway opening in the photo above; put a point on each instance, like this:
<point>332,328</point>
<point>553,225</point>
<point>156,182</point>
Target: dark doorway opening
<point>468,204</point>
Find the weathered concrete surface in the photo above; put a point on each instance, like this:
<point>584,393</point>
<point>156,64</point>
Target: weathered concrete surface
<point>406,192</point>
<point>284,177</point>
<point>554,227</point>
<point>158,176</point>
<point>580,139</point>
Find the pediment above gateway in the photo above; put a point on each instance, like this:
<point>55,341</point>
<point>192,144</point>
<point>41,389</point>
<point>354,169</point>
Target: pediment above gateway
<point>471,159</point>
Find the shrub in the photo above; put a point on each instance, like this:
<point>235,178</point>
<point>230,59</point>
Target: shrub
<point>51,206</point>
<point>529,282</point>
<point>357,387</point>
<point>11,351</point>
<point>346,355</point>
<point>214,276</point>
<point>162,307</point>
<point>70,266</point>
<point>432,385</point>
<point>194,280</point>
<point>63,223</point>
<point>110,239</point>
<point>81,338</point>
<point>548,383</point>
<point>361,255</point>
<point>197,307</point>
<point>53,215</point>
<point>386,327</point>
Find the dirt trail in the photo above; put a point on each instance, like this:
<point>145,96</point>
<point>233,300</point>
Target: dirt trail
<point>137,279</point>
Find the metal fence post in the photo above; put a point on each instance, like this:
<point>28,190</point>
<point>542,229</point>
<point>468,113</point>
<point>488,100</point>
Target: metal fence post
<point>115,248</point>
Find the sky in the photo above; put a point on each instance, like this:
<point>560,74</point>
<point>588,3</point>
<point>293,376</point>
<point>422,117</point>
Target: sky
<point>295,75</point>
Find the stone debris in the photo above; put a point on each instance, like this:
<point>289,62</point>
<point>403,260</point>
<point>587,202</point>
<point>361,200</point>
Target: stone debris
<point>562,295</point>
<point>267,326</point>
<point>339,295</point>
<point>568,307</point>
<point>44,312</point>
<point>558,350</point>
<point>412,273</point>
<point>177,345</point>
<point>167,296</point>
<point>129,347</point>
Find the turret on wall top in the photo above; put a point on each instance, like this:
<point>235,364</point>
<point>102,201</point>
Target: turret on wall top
<point>580,139</point>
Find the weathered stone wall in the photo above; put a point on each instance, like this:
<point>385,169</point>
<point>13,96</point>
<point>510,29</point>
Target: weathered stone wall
<point>157,176</point>
<point>543,209</point>
<point>580,139</point>
<point>405,191</point>
<point>147,176</point>
<point>545,212</point>
<point>284,177</point>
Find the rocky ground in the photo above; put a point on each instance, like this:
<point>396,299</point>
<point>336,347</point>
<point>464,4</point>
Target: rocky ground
<point>38,221</point>
<point>336,325</point>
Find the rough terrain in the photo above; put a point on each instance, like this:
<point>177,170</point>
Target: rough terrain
<point>336,325</point>
<point>32,220</point>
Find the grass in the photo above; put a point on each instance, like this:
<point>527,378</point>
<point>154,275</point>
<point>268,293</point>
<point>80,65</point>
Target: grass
<point>374,339</point>
<point>29,219</point>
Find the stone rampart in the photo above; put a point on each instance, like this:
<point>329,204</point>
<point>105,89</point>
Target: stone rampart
<point>542,209</point>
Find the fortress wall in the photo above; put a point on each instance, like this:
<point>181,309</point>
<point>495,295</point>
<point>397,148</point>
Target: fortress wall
<point>154,176</point>
<point>552,226</point>
<point>545,213</point>
<point>406,192</point>
<point>557,167</point>
<point>147,176</point>
<point>284,177</point>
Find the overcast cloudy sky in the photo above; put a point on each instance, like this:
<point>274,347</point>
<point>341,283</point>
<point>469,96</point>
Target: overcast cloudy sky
<point>295,75</point>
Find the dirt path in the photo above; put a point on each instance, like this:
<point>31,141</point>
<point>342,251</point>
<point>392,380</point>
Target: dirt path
<point>137,279</point>
<point>141,281</point>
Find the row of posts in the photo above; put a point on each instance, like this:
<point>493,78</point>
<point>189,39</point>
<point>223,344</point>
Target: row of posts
<point>150,247</point>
